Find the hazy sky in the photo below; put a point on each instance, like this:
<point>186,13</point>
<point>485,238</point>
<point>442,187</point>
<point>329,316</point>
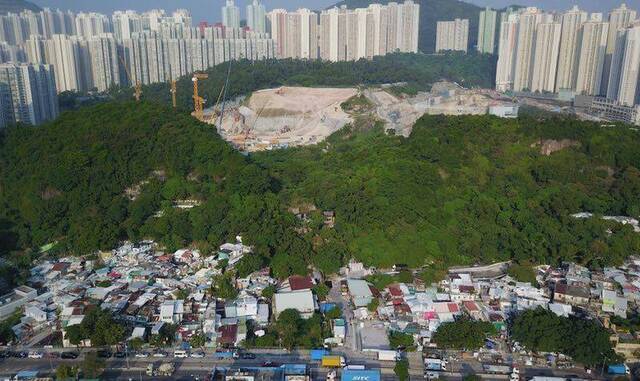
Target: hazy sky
<point>209,10</point>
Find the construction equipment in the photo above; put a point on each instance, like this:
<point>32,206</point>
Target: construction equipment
<point>198,101</point>
<point>137,86</point>
<point>173,90</point>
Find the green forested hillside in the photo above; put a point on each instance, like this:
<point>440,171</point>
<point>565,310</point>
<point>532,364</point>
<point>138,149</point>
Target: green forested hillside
<point>246,76</point>
<point>459,190</point>
<point>432,11</point>
<point>471,189</point>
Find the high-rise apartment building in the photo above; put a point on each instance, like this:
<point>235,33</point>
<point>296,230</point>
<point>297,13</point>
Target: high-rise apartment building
<point>230,15</point>
<point>507,52</point>
<point>570,42</point>
<point>256,16</point>
<point>628,87</point>
<point>591,56</point>
<point>545,60</point>
<point>619,19</point>
<point>27,94</point>
<point>452,35</point>
<point>487,31</point>
<point>528,23</point>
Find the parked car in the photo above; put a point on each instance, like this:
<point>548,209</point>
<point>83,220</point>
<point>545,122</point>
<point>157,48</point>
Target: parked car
<point>35,355</point>
<point>69,355</point>
<point>197,355</point>
<point>104,354</point>
<point>22,355</point>
<point>270,364</point>
<point>142,354</point>
<point>159,354</point>
<point>247,356</point>
<point>120,355</point>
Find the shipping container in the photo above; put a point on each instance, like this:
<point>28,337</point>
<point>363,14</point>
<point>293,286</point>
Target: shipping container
<point>496,369</point>
<point>360,375</point>
<point>384,355</point>
<point>618,369</point>
<point>318,354</point>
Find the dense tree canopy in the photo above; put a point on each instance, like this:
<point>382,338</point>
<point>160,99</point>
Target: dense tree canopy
<point>584,340</point>
<point>464,333</point>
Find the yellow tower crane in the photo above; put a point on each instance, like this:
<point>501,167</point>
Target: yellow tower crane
<point>138,86</point>
<point>174,90</point>
<point>198,101</point>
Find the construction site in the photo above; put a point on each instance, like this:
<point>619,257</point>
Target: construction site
<point>294,116</point>
<point>283,117</point>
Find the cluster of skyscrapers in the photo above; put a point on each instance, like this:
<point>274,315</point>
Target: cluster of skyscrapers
<point>337,34</point>
<point>573,53</point>
<point>95,52</point>
<point>452,35</point>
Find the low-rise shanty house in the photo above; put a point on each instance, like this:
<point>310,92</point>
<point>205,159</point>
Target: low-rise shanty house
<point>360,292</point>
<point>560,309</point>
<point>227,335</point>
<point>233,252</point>
<point>171,311</point>
<point>329,218</point>
<point>472,309</point>
<point>296,283</point>
<point>187,256</point>
<point>614,304</point>
<point>569,294</point>
<point>303,301</point>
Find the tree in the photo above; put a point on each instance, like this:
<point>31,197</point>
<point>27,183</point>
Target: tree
<point>523,273</point>
<point>75,334</point>
<point>65,372</point>
<point>92,366</point>
<point>400,340</point>
<point>401,369</point>
<point>465,333</point>
<point>373,305</point>
<point>334,313</point>
<point>471,377</point>
<point>198,340</point>
<point>165,336</point>
<point>136,343</point>
<point>268,292</point>
<point>321,290</point>
<point>182,294</point>
<point>288,327</point>
<point>222,287</point>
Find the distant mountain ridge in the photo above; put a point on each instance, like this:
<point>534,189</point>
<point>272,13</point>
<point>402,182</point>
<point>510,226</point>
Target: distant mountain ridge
<point>15,6</point>
<point>432,11</point>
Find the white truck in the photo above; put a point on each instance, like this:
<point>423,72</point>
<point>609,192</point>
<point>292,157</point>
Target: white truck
<point>386,355</point>
<point>438,365</point>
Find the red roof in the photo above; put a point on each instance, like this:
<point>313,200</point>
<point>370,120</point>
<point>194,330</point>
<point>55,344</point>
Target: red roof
<point>470,306</point>
<point>402,308</point>
<point>395,290</point>
<point>60,266</point>
<point>466,289</point>
<point>228,334</point>
<point>453,308</point>
<point>298,282</point>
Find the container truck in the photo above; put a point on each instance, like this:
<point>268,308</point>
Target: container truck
<point>385,355</point>
<point>333,361</point>
<point>618,369</point>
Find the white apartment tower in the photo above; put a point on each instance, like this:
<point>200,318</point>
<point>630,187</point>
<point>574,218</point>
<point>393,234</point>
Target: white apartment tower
<point>507,52</point>
<point>570,42</point>
<point>619,19</point>
<point>452,35</point>
<point>487,31</point>
<point>591,58</point>
<point>27,94</point>
<point>256,16</point>
<point>545,60</point>
<point>527,26</point>
<point>231,15</point>
<point>628,88</point>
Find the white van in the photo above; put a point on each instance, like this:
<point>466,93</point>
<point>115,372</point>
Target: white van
<point>179,353</point>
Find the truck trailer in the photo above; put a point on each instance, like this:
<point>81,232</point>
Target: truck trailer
<point>333,361</point>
